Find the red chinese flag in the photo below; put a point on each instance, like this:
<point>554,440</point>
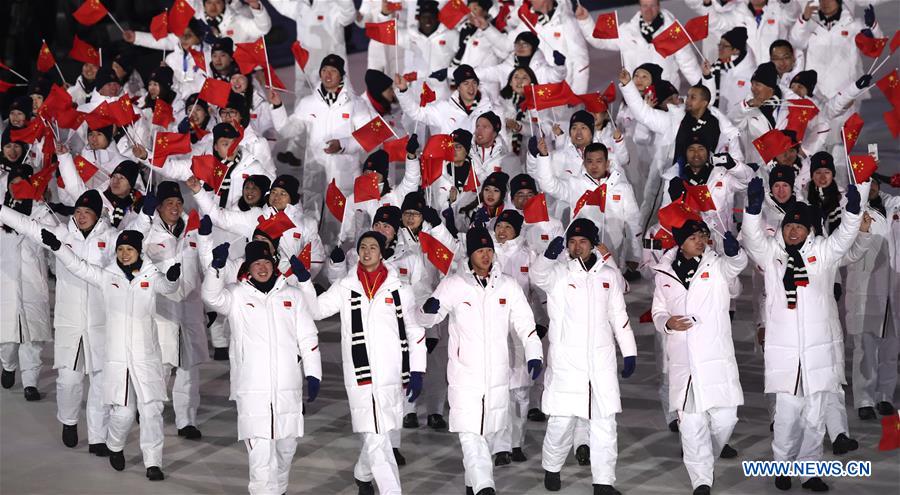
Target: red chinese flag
<point>100,116</point>
<point>169,143</point>
<point>863,167</point>
<point>895,42</point>
<point>607,26</point>
<point>698,28</point>
<point>383,32</point>
<point>249,56</point>
<point>772,144</point>
<point>502,18</point>
<point>593,102</point>
<point>193,222</point>
<point>453,12</point>
<point>34,186</point>
<point>543,96</point>
<point>32,131</point>
<point>892,119</point>
<point>698,198</point>
<point>305,256</point>
<point>335,201</point>
<point>396,149</point>
<point>472,183</point>
<point>438,150</point>
<point>800,113</point>
<point>394,6</point>
<point>122,111</point>
<point>85,169</point>
<point>179,17</point>
<point>890,432</point>
<point>580,203</point>
<point>428,95</point>
<point>890,86</point>
<point>69,118</point>
<point>528,16</point>
<point>84,52</point>
<point>411,76</point>
<point>870,47</point>
<point>90,13</point>
<point>209,169</point>
<point>215,92</point>
<point>301,55</point>
<point>159,26</point>
<point>375,132</point>
<point>199,58</point>
<point>535,209</point>
<point>236,141</point>
<point>365,188</point>
<point>665,238</point>
<point>670,40</point>
<point>45,60</point>
<point>58,99</point>
<point>275,225</point>
<point>162,113</point>
<point>609,95</point>
<point>436,252</point>
<point>5,86</point>
<point>852,127</point>
<point>675,214</point>
<point>597,197</point>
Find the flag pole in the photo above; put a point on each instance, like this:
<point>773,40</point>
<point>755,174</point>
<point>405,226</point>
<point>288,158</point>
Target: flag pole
<point>702,57</point>
<point>55,64</point>
<point>115,21</point>
<point>881,64</point>
<point>268,65</point>
<point>20,76</point>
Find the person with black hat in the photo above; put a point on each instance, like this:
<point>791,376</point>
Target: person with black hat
<point>123,69</point>
<point>538,234</point>
<point>458,183</point>
<point>795,158</point>
<point>524,54</point>
<point>181,49</point>
<point>383,352</point>
<point>84,84</point>
<point>732,69</point>
<point>484,305</point>
<point>118,192</point>
<point>380,99</point>
<point>19,112</point>
<point>133,371</point>
<point>823,193</point>
<point>272,328</point>
<point>159,88</point>
<point>237,113</point>
<point>428,45</point>
<point>518,123</point>
<point>255,192</point>
<point>79,318</point>
<point>244,24</point>
<point>484,210</point>
<point>13,154</point>
<point>222,62</point>
<point>763,111</point>
<point>460,111</point>
<point>704,387</point>
<point>562,42</point>
<point>197,121</point>
<point>568,156</point>
<point>586,304</point>
<point>801,365</point>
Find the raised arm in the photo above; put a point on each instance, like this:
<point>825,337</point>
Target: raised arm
<point>214,292</point>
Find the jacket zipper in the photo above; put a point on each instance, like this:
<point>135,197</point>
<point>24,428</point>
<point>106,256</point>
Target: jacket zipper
<point>179,346</point>
<point>797,382</point>
<point>590,393</point>
<point>482,416</point>
<point>886,314</point>
<point>272,419</point>
<point>687,392</point>
<point>77,352</point>
<point>127,371</point>
<point>374,411</point>
<point>21,336</point>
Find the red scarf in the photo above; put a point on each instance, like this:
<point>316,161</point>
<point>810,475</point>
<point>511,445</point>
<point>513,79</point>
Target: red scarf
<point>371,281</point>
<point>377,106</point>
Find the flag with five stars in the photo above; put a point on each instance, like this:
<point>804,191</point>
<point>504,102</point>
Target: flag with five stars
<point>365,188</point>
<point>169,143</point>
<point>607,26</point>
<point>452,12</point>
<point>543,96</point>
<point>852,127</point>
<point>373,133</point>
<point>436,252</point>
<point>383,32</point>
<point>209,169</point>
<point>45,60</point>
<point>34,186</point>
<point>438,149</point>
<point>335,201</point>
<point>863,167</point>
<point>159,25</point>
<point>800,113</point>
<point>85,169</point>
<point>90,13</point>
<point>163,115</point>
<point>698,198</point>
<point>670,40</point>
<point>84,52</point>
<point>698,28</point>
<point>535,209</point>
<point>179,17</point>
<point>772,144</point>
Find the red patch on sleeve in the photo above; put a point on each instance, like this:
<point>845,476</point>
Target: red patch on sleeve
<point>704,275</point>
<point>320,17</point>
<point>192,244</point>
<point>287,304</point>
<point>617,197</point>
<point>346,115</point>
<point>502,301</point>
<point>475,43</point>
<point>719,184</point>
<point>523,269</point>
<point>442,42</point>
<point>296,235</point>
<point>144,285</point>
<point>742,83</point>
<point>403,271</point>
<point>770,21</point>
<point>101,244</point>
<point>545,237</point>
<point>245,176</point>
<point>606,285</point>
<point>811,259</point>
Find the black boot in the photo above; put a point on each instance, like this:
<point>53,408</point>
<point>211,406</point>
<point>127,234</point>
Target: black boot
<point>518,455</point>
<point>867,413</point>
<point>288,158</point>
<point>190,432</point>
<point>220,353</point>
<point>606,490</point>
<point>401,461</point>
<point>411,420</point>
<point>535,414</point>
<point>885,408</point>
<point>117,460</point>
<point>436,422</point>
<point>154,473</point>
<point>673,426</point>
<point>631,275</point>
<point>843,444</point>
<point>552,482</point>
<point>783,483</point>
<point>772,426</point>
<point>8,378</point>
<point>702,490</point>
<point>486,491</point>
<point>728,452</point>
<point>502,459</point>
<point>98,449</point>
<point>365,487</point>
<point>70,436</point>
<point>470,491</point>
<point>583,455</point>
<point>815,484</point>
<point>32,394</point>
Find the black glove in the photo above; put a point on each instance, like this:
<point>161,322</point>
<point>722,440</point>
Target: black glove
<point>205,226</point>
<point>870,16</point>
<point>852,199</point>
<point>541,331</point>
<point>864,81</point>
<point>299,269</point>
<point>481,217</point>
<point>150,204</point>
<point>731,244</point>
<point>49,239</point>
<point>559,58</point>
<point>173,272</point>
<point>184,126</point>
<point>413,144</point>
<point>755,193</point>
<point>753,166</point>
<point>440,75</point>
<point>723,160</point>
<point>312,388</point>
<point>431,344</point>
<point>676,188</point>
<point>431,216</point>
<point>337,255</point>
<point>533,146</point>
<point>450,221</point>
<point>554,248</point>
<point>220,255</point>
<point>431,306</point>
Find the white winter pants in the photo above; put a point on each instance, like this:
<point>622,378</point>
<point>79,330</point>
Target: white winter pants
<point>703,434</point>
<point>874,369</point>
<point>659,348</point>
<point>477,462</point>
<point>121,419</point>
<point>799,427</point>
<point>69,392</point>
<point>514,433</point>
<point>270,464</point>
<point>836,414</point>
<point>25,356</point>
<point>185,395</point>
<point>376,461</point>
<point>603,443</point>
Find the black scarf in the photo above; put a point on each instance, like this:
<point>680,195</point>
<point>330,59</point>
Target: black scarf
<point>358,348</point>
<point>648,30</point>
<point>690,125</point>
<point>828,21</point>
<point>828,201</point>
<point>522,61</point>
<point>467,31</point>
<point>546,18</point>
<point>685,268</point>
<point>129,270</point>
<point>176,229</point>
<point>328,96</point>
<point>699,178</point>
<point>225,187</point>
<point>120,206</point>
<point>878,205</point>
<point>213,22</point>
<point>719,68</point>
<point>794,275</point>
<point>769,106</point>
<point>784,207</point>
<point>461,172</point>
<point>263,287</point>
<point>589,263</point>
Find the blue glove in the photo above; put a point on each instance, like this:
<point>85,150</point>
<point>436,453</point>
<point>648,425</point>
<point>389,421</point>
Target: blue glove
<point>440,75</point>
<point>481,217</point>
<point>312,388</point>
<point>450,222</point>
<point>870,16</point>
<point>852,199</point>
<point>299,269</point>
<point>184,125</point>
<point>413,144</point>
<point>554,248</point>
<point>337,255</point>
<point>415,385</point>
<point>220,255</point>
<point>205,226</point>
<point>431,306</point>
<point>535,367</point>
<point>731,245</point>
<point>867,33</point>
<point>755,196</point>
<point>629,363</point>
<point>533,146</point>
<point>676,188</point>
<point>559,58</point>
<point>173,272</point>
<point>150,204</point>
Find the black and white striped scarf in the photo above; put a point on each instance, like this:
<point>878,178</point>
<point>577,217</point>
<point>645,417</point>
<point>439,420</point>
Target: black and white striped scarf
<point>328,96</point>
<point>827,200</point>
<point>358,350</point>
<point>648,30</point>
<point>225,187</point>
<point>718,69</point>
<point>120,206</point>
<point>467,31</point>
<point>794,275</point>
<point>685,268</point>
